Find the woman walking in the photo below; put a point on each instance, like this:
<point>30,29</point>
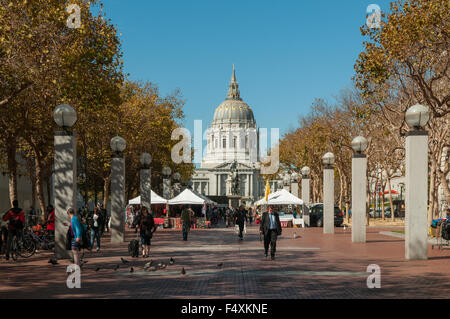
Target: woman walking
<point>77,235</point>
<point>146,229</point>
<point>95,231</point>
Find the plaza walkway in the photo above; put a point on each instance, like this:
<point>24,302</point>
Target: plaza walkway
<point>312,265</point>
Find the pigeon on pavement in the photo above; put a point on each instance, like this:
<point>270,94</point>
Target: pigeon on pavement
<point>131,269</point>
<point>171,261</point>
<point>116,267</point>
<point>220,265</point>
<point>53,261</point>
<point>124,260</point>
<point>183,272</point>
<point>97,269</point>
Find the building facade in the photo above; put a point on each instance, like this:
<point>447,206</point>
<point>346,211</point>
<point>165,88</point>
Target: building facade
<point>233,137</point>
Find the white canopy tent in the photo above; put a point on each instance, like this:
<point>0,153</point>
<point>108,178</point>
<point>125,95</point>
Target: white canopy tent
<point>189,197</point>
<point>155,199</point>
<point>281,197</point>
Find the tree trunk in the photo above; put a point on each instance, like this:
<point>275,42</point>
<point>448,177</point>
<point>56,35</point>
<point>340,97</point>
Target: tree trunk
<point>390,199</point>
<point>431,192</point>
<point>106,188</point>
<point>49,190</point>
<point>32,175</point>
<point>40,187</point>
<point>12,169</point>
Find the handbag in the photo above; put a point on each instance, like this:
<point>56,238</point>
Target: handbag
<point>69,238</point>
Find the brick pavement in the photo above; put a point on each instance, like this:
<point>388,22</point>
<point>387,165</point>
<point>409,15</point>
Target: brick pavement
<point>311,266</point>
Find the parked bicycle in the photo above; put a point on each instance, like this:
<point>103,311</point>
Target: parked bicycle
<point>22,246</point>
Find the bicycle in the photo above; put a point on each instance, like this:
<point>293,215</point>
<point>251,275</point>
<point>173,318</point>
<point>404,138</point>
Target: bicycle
<point>24,247</point>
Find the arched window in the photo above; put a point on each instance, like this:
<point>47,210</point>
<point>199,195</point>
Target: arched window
<point>246,142</point>
<point>224,143</point>
<point>234,142</point>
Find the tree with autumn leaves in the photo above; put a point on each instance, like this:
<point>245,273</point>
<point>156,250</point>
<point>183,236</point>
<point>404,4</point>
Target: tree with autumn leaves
<point>404,62</point>
<point>44,63</point>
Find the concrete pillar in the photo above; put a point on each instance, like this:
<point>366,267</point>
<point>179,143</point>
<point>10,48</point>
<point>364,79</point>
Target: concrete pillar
<point>416,221</point>
<point>306,199</point>
<point>294,189</point>
<point>65,187</point>
<point>359,184</point>
<point>117,199</point>
<point>145,187</point>
<point>328,200</point>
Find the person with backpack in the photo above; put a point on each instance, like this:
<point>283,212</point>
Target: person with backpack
<point>16,220</point>
<point>101,219</point>
<point>147,227</point>
<point>95,230</point>
<point>240,219</point>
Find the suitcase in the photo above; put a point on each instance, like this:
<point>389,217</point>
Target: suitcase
<point>133,248</point>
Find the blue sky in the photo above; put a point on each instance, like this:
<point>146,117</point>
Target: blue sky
<point>286,52</point>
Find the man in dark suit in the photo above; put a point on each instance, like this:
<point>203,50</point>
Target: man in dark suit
<point>271,228</point>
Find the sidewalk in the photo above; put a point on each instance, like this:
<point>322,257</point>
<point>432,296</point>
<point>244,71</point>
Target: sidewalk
<point>311,266</point>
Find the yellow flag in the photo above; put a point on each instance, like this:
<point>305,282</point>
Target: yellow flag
<point>267,190</point>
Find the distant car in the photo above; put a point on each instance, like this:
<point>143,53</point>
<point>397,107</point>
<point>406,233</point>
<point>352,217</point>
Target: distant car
<point>316,216</point>
<point>387,212</point>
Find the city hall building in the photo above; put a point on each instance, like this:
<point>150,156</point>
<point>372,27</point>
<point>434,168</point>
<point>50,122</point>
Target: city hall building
<point>232,142</point>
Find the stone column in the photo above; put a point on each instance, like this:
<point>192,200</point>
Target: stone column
<point>416,221</point>
<point>65,187</point>
<point>145,188</point>
<point>117,199</point>
<point>306,199</point>
<point>359,184</point>
<point>328,200</point>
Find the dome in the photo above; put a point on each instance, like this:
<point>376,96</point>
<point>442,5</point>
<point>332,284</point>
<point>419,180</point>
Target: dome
<point>233,110</point>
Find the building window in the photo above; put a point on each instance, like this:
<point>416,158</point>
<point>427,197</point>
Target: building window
<point>234,142</point>
<point>246,142</point>
<point>224,143</point>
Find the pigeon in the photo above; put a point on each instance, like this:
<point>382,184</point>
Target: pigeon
<point>163,266</point>
<point>131,269</point>
<point>295,235</point>
<point>171,261</point>
<point>53,261</point>
<point>160,265</point>
<point>148,265</point>
<point>97,269</point>
<point>220,265</point>
<point>183,272</point>
<point>116,267</point>
<point>124,260</point>
<point>345,227</point>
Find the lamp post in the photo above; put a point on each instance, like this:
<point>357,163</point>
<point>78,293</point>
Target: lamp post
<point>306,171</point>
<point>118,145</point>
<point>328,193</point>
<point>294,184</point>
<point>65,174</point>
<point>176,185</point>
<point>416,160</point>
<point>359,185</point>
<point>146,186</point>
<point>166,190</point>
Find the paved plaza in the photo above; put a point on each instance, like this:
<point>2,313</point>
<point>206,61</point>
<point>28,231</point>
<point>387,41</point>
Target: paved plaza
<point>312,265</point>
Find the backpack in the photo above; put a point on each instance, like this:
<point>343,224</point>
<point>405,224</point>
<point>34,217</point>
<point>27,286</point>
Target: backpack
<point>133,248</point>
<point>446,231</point>
<point>85,240</point>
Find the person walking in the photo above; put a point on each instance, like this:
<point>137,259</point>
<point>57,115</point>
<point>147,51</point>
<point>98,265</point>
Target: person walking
<point>271,228</point>
<point>101,219</point>
<point>31,217</point>
<point>51,221</point>
<point>76,230</point>
<point>186,221</point>
<point>240,219</point>
<point>147,227</point>
<point>95,230</point>
<point>16,220</point>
